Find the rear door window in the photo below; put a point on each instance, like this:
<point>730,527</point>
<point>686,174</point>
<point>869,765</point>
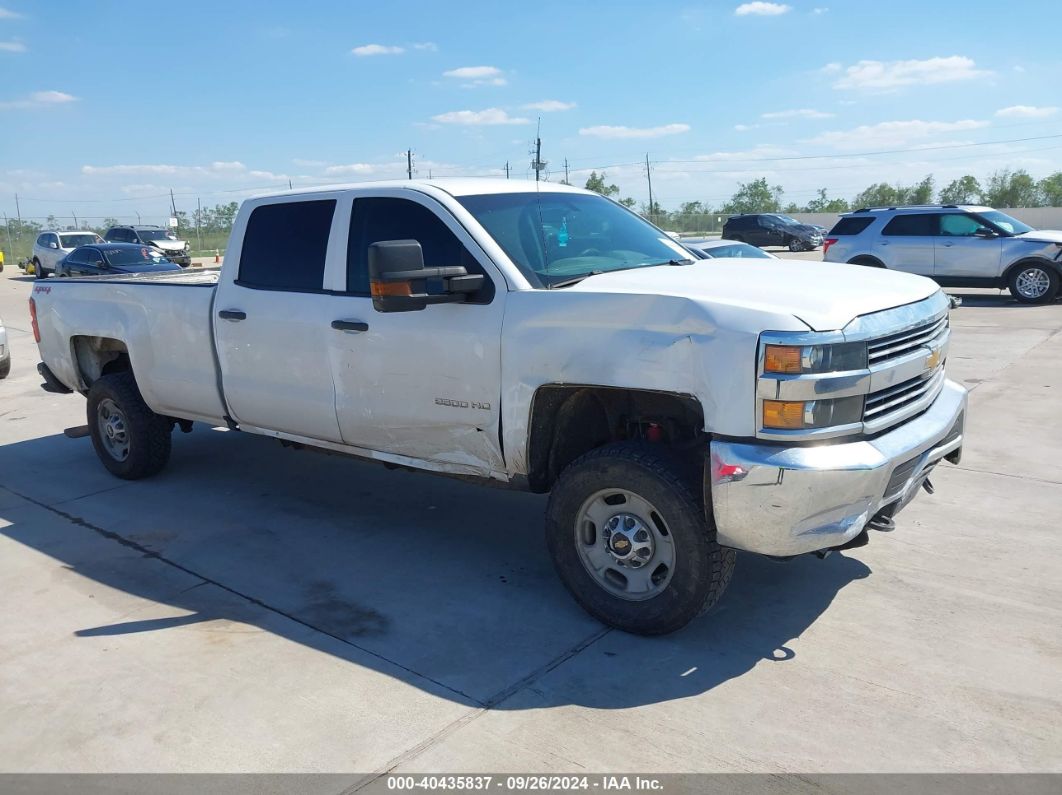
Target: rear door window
<point>285,244</point>
<point>911,225</point>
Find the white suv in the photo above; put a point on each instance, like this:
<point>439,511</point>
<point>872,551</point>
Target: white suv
<point>955,245</point>
<point>50,247</point>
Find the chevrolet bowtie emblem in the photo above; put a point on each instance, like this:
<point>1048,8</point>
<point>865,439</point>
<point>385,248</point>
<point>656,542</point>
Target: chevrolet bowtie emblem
<point>933,359</point>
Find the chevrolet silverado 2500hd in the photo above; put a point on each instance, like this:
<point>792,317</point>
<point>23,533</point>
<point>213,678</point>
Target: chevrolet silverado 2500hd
<point>676,409</point>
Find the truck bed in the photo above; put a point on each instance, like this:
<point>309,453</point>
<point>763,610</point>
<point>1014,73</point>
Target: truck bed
<point>197,277</point>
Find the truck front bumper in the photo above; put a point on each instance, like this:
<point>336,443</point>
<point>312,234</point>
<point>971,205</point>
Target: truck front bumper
<point>784,500</point>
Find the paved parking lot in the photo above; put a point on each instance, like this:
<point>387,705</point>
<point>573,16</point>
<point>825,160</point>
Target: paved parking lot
<point>258,609</point>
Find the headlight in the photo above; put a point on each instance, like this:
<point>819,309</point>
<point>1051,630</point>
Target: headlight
<point>797,415</point>
<point>808,359</point>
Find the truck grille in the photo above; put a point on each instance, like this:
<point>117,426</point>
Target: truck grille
<point>893,346</point>
<point>894,399</point>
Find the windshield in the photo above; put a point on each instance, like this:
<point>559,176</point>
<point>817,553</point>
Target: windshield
<point>156,234</point>
<point>1005,222</point>
<point>786,220</point>
<point>80,239</point>
<point>557,237</point>
<point>134,256</point>
<point>737,250</point>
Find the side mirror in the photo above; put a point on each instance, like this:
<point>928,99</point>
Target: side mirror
<point>395,268</point>
<point>53,245</point>
<point>985,232</point>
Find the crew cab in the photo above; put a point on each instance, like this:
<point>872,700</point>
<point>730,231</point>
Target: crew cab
<point>675,409</point>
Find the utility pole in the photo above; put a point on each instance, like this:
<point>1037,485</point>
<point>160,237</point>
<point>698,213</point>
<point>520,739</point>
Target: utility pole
<point>289,187</point>
<point>173,206</point>
<point>537,163</point>
<point>73,213</point>
<point>507,169</point>
<point>18,212</point>
<point>566,182</point>
<point>138,219</point>
<point>649,177</point>
<point>409,163</point>
<point>199,219</point>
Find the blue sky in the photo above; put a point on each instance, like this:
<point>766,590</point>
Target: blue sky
<point>106,105</point>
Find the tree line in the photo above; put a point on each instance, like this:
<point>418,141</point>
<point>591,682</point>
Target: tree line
<point>1003,188</point>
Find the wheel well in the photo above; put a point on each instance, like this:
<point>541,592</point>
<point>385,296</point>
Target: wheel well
<point>1041,261</point>
<point>97,356</point>
<point>872,262</point>
<point>568,421</point>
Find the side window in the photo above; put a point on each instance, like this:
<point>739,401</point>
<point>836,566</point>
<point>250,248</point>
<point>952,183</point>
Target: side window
<point>959,225</point>
<point>379,219</point>
<point>42,240</point>
<point>118,235</point>
<point>92,257</point>
<point>911,225</point>
<point>851,225</point>
<point>285,244</point>
<point>76,257</point>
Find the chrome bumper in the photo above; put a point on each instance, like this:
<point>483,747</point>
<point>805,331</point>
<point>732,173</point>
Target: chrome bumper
<point>779,500</point>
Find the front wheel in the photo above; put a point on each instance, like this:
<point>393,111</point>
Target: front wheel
<point>131,440</point>
<point>628,536</point>
<point>38,271</point>
<point>796,245</point>
<point>1034,283</point>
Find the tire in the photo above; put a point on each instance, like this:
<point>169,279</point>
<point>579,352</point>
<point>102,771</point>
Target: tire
<point>5,368</point>
<point>866,262</point>
<point>38,271</point>
<point>796,245</point>
<point>700,570</point>
<point>1033,283</point>
<point>146,434</point>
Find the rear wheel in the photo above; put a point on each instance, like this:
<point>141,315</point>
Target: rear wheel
<point>130,439</point>
<point>629,539</point>
<point>1034,283</point>
<point>5,367</point>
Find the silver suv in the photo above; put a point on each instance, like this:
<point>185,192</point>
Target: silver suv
<point>955,245</point>
<point>52,246</point>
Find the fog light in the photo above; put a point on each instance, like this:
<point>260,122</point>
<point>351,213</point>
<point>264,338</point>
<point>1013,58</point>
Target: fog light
<point>805,415</point>
<point>783,414</point>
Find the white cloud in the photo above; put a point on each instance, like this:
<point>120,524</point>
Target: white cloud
<point>350,168</point>
<point>761,152</point>
<point>820,10</point>
<point>760,9</point>
<point>219,168</point>
<point>6,13</point>
<point>12,46</point>
<point>891,133</point>
<point>549,105</point>
<point>1026,112</point>
<point>490,116</point>
<point>799,113</point>
<point>377,49</point>
<point>611,131</point>
<point>308,163</point>
<point>268,175</point>
<point>478,75</point>
<point>231,166</point>
<point>426,46</point>
<point>39,99</point>
<point>888,75</point>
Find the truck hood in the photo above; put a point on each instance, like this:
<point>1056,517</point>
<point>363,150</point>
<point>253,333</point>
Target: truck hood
<point>169,245</point>
<point>1041,236</point>
<point>825,296</point>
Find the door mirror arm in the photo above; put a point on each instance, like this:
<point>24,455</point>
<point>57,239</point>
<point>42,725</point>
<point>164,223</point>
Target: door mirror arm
<point>394,265</point>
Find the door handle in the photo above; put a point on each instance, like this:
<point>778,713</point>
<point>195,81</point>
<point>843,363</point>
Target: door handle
<point>232,314</point>
<point>883,242</point>
<point>349,325</point>
<point>947,245</point>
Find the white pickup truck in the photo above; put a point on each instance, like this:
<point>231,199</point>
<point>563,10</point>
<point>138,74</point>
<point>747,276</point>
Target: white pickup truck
<point>675,408</point>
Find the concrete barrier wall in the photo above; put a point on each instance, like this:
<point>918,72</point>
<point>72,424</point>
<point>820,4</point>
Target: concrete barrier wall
<point>1036,217</point>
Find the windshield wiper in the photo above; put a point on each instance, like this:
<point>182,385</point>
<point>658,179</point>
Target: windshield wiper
<point>668,262</point>
<point>574,280</point>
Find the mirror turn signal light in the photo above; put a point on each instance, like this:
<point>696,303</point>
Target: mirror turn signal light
<point>381,289</point>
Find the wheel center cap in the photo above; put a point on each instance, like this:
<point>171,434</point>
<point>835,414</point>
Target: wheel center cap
<point>621,545</point>
<point>628,540</point>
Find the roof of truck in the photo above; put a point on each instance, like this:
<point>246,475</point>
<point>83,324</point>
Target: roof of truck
<point>455,186</point>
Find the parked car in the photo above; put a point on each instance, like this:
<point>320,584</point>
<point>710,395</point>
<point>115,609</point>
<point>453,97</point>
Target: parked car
<point>955,245</point>
<point>715,248</point>
<point>51,246</point>
<point>5,352</point>
<point>113,258</point>
<point>772,229</point>
<point>445,328</point>
<point>159,237</point>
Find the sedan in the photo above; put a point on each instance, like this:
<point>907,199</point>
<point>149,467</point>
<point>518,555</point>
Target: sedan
<point>713,248</point>
<point>113,258</point>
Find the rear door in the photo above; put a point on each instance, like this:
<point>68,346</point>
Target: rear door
<point>907,242</point>
<point>270,319</point>
<point>424,384</point>
<point>960,254</point>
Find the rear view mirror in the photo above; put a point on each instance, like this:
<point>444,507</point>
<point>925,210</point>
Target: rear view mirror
<point>396,267</point>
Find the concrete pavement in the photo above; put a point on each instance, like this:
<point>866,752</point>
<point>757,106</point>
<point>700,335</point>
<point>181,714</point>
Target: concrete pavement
<point>257,609</point>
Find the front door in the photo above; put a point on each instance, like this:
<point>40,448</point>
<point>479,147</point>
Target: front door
<point>270,323</point>
<point>424,384</point>
<point>961,254</point>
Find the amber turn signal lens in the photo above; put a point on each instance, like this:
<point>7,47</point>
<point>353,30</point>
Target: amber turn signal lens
<point>782,359</point>
<point>783,414</point>
<point>381,289</point>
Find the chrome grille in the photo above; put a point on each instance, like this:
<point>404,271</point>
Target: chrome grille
<point>893,346</point>
<point>884,403</point>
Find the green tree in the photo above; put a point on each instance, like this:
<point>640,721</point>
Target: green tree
<point>964,190</point>
<point>1050,188</point>
<point>881,194</point>
<point>628,202</point>
<point>598,185</point>
<point>1008,188</point>
<point>755,197</point>
<point>922,193</point>
<point>824,204</point>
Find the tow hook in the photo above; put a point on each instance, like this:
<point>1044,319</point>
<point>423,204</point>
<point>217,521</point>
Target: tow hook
<point>882,523</point>
<point>928,486</point>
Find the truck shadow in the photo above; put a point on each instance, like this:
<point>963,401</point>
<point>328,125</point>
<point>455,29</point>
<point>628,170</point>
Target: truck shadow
<point>442,584</point>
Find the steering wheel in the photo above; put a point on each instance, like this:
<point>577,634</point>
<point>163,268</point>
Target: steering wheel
<point>591,252</point>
